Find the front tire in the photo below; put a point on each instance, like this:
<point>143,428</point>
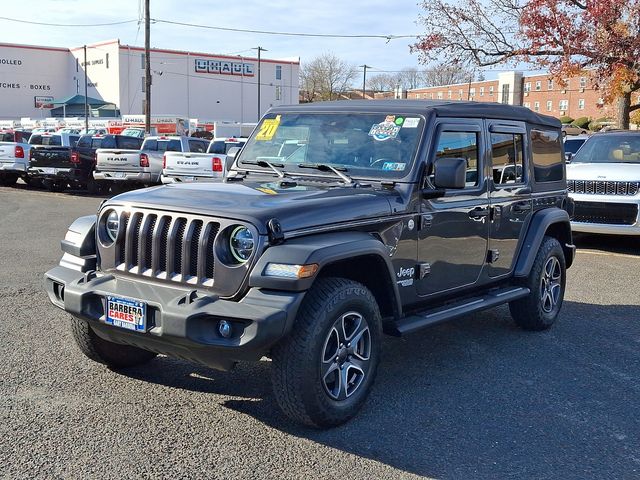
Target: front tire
<point>323,370</point>
<point>113,355</point>
<point>546,281</point>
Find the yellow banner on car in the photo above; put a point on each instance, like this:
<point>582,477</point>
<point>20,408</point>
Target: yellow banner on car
<point>268,129</point>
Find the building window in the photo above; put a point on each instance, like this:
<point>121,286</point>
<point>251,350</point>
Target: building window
<point>491,90</point>
<point>449,93</point>
<point>505,94</point>
<point>278,92</point>
<point>526,104</point>
<point>527,87</point>
<point>106,59</point>
<point>536,106</point>
<point>142,60</point>
<point>549,105</point>
<point>583,82</point>
<point>77,65</point>
<point>439,95</point>
<point>581,104</point>
<point>563,105</point>
<point>431,95</point>
<point>550,84</point>
<point>278,72</point>
<point>144,86</point>
<point>482,91</point>
<point>460,93</point>
<point>538,86</point>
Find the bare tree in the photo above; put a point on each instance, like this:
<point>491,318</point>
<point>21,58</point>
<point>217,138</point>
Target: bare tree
<point>409,78</point>
<point>447,73</point>
<point>382,82</point>
<point>326,76</point>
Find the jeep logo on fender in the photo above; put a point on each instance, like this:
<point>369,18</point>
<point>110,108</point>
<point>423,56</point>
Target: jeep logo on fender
<point>406,272</point>
<point>116,159</point>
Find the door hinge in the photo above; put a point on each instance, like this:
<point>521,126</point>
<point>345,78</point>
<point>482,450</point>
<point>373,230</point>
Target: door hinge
<point>493,255</point>
<point>424,269</point>
<point>425,220</point>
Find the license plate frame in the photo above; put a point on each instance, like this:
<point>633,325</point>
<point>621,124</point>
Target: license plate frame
<point>189,179</point>
<point>49,171</point>
<point>126,313</point>
<point>119,174</point>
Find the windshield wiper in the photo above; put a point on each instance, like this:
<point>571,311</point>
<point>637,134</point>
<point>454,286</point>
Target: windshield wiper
<point>323,167</point>
<point>272,166</point>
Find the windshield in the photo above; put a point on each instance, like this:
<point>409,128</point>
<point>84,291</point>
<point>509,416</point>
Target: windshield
<point>572,146</point>
<point>365,144</point>
<point>609,148</point>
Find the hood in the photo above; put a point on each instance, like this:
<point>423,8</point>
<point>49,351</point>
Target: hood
<point>298,207</point>
<point>622,172</point>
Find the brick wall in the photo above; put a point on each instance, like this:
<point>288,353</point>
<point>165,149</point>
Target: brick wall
<point>486,91</point>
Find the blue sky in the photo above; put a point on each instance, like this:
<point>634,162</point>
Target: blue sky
<point>328,16</point>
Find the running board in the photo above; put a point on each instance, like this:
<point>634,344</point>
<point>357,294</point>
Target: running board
<point>437,315</point>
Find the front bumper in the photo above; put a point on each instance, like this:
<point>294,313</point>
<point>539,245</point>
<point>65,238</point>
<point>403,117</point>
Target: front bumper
<point>118,176</point>
<point>606,214</point>
<point>181,322</point>
<point>13,166</point>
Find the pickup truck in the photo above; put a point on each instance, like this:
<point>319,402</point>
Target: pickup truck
<point>199,167</point>
<point>14,156</point>
<point>143,166</point>
<point>51,161</point>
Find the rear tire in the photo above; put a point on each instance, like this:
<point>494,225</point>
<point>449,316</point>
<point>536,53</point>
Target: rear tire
<point>546,281</point>
<point>8,179</point>
<point>113,355</point>
<point>323,370</point>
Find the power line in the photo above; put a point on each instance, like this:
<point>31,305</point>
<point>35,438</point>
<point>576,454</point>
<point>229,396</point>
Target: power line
<point>289,34</point>
<point>68,24</point>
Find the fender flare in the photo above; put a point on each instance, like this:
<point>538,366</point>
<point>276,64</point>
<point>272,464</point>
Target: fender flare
<point>538,227</point>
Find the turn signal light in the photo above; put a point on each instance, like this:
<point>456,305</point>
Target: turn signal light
<point>75,158</point>
<point>144,160</point>
<point>19,152</point>
<point>216,164</point>
<point>284,270</point>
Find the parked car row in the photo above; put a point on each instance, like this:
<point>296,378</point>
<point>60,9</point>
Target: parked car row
<point>96,162</point>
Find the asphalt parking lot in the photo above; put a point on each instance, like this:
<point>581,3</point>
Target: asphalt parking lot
<point>477,398</point>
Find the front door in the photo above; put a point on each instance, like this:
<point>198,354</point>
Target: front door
<point>510,196</point>
<point>454,229</point>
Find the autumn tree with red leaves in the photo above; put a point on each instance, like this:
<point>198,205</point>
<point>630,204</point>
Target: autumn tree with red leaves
<point>563,36</point>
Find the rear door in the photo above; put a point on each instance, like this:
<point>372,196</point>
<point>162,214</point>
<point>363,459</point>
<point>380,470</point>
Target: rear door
<point>509,194</point>
<point>454,229</point>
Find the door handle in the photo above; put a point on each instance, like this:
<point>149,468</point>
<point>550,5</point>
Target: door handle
<point>478,213</point>
<point>521,207</point>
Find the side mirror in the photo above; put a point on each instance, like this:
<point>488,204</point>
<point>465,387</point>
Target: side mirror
<point>231,156</point>
<point>568,157</point>
<point>450,173</point>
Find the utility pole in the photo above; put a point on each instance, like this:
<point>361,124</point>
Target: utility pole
<point>260,49</point>
<point>147,68</point>
<point>86,102</point>
<point>364,80</point>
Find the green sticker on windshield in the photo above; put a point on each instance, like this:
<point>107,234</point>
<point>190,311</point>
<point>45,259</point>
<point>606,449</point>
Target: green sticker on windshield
<point>399,121</point>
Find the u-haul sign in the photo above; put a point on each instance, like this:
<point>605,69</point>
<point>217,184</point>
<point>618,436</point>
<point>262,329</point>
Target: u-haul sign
<point>221,67</point>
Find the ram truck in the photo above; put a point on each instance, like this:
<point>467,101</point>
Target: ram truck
<point>338,222</point>
<point>144,165</point>
<point>51,160</point>
<point>199,167</point>
<point>14,156</point>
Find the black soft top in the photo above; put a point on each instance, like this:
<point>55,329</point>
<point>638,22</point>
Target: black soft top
<point>441,108</point>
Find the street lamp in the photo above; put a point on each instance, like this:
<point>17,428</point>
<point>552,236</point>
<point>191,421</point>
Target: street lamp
<point>259,49</point>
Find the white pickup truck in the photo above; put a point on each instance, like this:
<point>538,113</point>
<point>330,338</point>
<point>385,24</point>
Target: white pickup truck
<point>142,166</point>
<point>14,156</point>
<point>199,167</point>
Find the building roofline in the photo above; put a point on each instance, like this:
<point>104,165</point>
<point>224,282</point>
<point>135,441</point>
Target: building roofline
<point>475,82</point>
<point>33,47</point>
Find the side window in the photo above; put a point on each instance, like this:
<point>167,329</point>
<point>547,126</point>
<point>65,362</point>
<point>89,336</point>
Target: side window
<point>507,158</point>
<point>197,146</point>
<point>96,143</point>
<point>73,140</point>
<point>461,145</point>
<point>548,162</point>
<point>151,145</point>
<point>174,146</point>
<point>217,147</point>
<point>129,143</point>
<point>84,142</point>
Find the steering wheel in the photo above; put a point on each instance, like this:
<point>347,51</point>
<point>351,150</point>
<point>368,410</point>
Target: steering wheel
<point>379,160</point>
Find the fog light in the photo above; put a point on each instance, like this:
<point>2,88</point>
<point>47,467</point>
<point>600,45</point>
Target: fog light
<point>224,328</point>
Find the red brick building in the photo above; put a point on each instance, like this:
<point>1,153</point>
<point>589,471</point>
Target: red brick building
<point>575,97</point>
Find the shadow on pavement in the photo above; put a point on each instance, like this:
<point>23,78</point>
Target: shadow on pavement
<point>478,398</point>
<point>626,244</point>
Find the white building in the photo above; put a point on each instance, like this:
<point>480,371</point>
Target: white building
<point>187,84</point>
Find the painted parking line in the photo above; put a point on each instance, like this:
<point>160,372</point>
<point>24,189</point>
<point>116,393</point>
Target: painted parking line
<point>609,254</point>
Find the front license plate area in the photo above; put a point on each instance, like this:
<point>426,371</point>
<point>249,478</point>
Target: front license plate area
<point>126,313</point>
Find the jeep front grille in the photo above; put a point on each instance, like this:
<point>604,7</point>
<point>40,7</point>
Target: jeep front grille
<point>601,187</point>
<point>169,247</point>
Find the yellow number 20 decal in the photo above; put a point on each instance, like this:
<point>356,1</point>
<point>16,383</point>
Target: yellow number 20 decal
<point>268,129</point>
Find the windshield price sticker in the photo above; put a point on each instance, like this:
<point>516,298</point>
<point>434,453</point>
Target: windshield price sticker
<point>268,129</point>
<point>394,166</point>
<point>411,122</point>
<point>385,130</point>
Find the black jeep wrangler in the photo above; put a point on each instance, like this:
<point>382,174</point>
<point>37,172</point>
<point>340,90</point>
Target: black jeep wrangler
<point>338,222</point>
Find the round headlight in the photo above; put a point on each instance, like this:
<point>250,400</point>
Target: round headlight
<point>241,244</point>
<point>112,225</point>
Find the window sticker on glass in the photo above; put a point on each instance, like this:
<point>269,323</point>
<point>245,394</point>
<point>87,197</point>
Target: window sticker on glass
<point>268,129</point>
<point>394,166</point>
<point>411,122</point>
<point>385,130</point>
